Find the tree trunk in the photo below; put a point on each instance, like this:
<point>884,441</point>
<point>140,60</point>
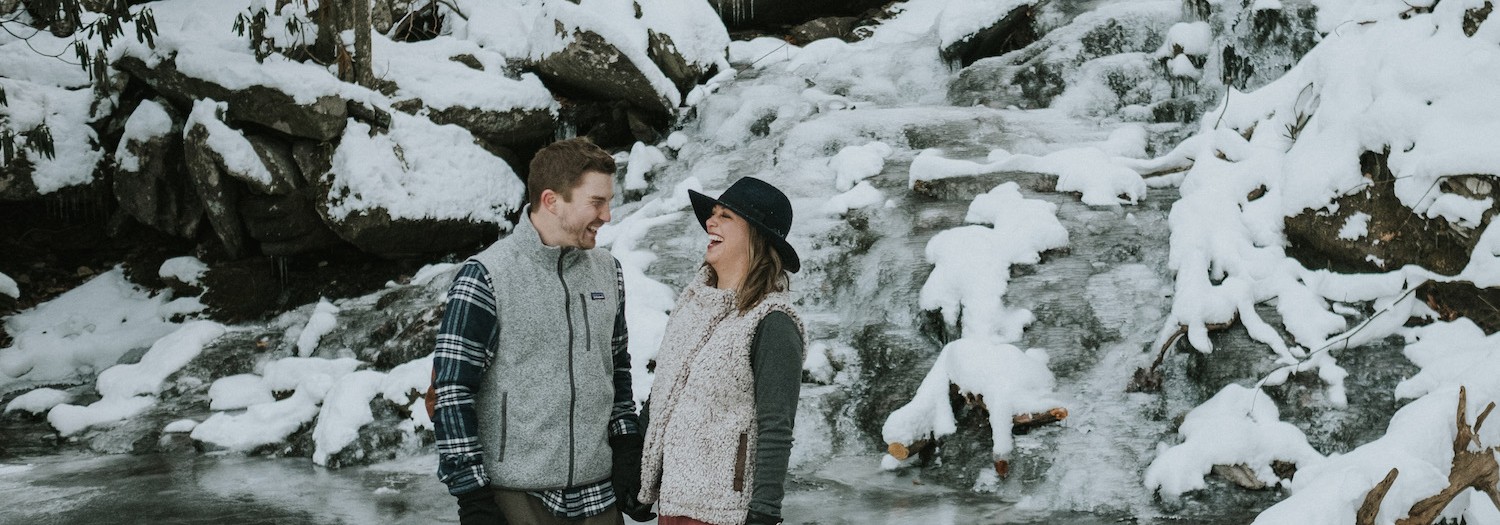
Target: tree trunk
<point>362,59</point>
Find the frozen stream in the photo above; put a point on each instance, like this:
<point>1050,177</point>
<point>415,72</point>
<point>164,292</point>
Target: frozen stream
<point>188,489</point>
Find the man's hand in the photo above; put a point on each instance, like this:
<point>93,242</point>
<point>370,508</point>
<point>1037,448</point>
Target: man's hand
<point>626,476</point>
<point>479,508</point>
<point>757,518</point>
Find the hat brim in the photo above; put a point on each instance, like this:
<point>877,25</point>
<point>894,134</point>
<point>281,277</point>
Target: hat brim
<point>703,207</point>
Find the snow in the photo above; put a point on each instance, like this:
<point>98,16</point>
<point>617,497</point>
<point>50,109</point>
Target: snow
<point>1191,38</point>
<point>345,410</point>
<point>972,263</point>
<point>290,373</point>
<point>39,401</point>
<point>181,426</point>
<point>1011,381</point>
<point>149,121</point>
<point>861,196</point>
<point>128,389</point>
<point>238,391</point>
<point>84,330</point>
<point>1355,227</point>
<point>186,270</point>
<point>66,114</point>
<point>425,70</point>
<point>263,424</point>
<point>410,173</point>
<point>8,287</point>
<point>324,319</point>
<point>1238,426</point>
<point>1103,179</point>
<point>961,19</point>
<point>239,157</point>
<point>696,33</point>
<point>643,159</point>
<point>761,51</point>
<point>856,163</point>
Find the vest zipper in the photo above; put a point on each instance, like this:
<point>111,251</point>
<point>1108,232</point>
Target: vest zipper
<point>572,381</point>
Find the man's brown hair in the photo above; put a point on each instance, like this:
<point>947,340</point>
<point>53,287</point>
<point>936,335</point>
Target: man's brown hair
<point>560,165</point>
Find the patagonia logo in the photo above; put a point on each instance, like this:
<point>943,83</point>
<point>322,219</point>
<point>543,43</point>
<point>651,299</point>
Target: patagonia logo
<point>597,296</point>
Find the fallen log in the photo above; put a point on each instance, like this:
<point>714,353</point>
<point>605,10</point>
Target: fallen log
<point>1472,469</point>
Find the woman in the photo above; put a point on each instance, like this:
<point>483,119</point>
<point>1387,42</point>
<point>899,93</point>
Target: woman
<point>729,370</point>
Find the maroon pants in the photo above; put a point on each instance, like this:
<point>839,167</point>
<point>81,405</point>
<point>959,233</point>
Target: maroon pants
<point>678,520</point>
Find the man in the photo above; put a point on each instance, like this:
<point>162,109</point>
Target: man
<point>535,419</point>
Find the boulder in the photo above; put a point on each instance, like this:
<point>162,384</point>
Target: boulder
<point>1035,75</point>
<point>1014,31</point>
<point>276,156</point>
<point>758,14</point>
<point>15,181</point>
<point>840,27</point>
<point>1394,236</point>
<point>593,67</point>
<point>375,232</point>
<point>519,126</point>
<point>285,224</point>
<point>151,183</point>
<point>324,119</point>
<point>218,191</point>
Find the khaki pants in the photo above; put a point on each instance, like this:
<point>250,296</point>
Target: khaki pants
<point>521,508</point>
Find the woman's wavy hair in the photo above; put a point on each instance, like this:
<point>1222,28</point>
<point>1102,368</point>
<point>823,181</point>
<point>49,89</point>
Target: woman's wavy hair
<point>766,275</point>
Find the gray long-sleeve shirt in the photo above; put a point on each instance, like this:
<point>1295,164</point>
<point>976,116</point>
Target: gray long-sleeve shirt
<point>776,361</point>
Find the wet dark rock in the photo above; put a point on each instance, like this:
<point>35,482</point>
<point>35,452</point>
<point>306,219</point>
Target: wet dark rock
<point>1032,76</point>
<point>1269,43</point>
<point>748,14</point>
<point>1452,300</point>
<point>276,155</point>
<point>376,232</point>
<point>840,27</point>
<point>382,439</point>
<point>286,224</point>
<point>1396,237</point>
<point>1013,31</point>
<point>15,181</point>
<point>322,120</point>
<point>217,190</point>
<point>506,128</point>
<point>242,290</point>
<point>591,67</point>
<point>965,188</point>
<point>158,193</point>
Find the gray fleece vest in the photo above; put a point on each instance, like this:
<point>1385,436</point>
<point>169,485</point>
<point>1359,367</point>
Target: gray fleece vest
<point>545,401</point>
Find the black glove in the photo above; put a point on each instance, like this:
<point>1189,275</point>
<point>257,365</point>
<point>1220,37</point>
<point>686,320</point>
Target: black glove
<point>757,518</point>
<point>626,476</point>
<point>479,508</point>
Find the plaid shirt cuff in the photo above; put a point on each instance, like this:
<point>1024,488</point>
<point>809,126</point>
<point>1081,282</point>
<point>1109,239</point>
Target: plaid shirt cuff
<point>578,503</point>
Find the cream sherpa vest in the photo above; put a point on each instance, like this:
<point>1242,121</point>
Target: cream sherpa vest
<point>700,445</point>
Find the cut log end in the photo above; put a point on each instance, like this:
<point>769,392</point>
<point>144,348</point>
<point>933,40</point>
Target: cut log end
<point>898,451</point>
<point>1002,467</point>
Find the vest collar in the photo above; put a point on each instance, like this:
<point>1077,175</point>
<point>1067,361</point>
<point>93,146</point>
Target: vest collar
<point>530,242</point>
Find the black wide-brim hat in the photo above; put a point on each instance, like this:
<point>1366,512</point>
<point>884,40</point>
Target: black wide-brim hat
<point>760,204</point>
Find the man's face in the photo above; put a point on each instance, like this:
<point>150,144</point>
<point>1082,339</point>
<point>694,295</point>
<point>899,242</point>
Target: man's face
<point>584,209</point>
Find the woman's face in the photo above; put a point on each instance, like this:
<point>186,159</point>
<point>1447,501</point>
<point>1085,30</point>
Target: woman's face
<point>728,242</point>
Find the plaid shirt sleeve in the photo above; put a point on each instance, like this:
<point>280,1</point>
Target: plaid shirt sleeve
<point>463,351</point>
<point>622,417</point>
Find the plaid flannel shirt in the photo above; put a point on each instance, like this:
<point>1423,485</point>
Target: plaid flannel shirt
<point>465,346</point>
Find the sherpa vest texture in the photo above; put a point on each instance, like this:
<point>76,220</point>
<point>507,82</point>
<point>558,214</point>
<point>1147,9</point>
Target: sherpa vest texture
<point>700,445</point>
<point>545,400</point>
